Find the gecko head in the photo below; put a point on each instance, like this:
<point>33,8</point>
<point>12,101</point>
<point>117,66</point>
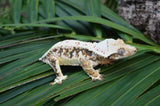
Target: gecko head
<point>121,50</point>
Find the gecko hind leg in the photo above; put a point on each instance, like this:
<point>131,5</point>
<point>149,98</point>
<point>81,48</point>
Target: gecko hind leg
<point>94,74</point>
<point>54,63</point>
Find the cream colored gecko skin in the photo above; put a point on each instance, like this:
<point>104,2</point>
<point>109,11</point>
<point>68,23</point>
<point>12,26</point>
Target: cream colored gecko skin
<point>85,54</point>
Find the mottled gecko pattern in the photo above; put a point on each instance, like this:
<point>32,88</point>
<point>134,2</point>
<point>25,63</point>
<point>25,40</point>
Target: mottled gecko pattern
<point>85,54</point>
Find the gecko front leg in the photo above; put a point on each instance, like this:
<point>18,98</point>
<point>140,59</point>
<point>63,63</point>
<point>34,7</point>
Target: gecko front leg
<point>54,63</point>
<point>88,68</point>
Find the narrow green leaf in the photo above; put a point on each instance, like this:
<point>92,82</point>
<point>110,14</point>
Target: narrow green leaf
<point>16,10</point>
<point>83,37</point>
<point>81,25</point>
<point>11,68</point>
<point>112,4</point>
<point>137,35</point>
<point>33,10</point>
<point>123,29</point>
<point>154,102</point>
<point>17,56</point>
<point>21,89</point>
<point>38,25</point>
<point>49,8</point>
<point>141,85</point>
<point>38,94</point>
<point>148,98</point>
<point>126,37</point>
<point>9,36</point>
<point>93,8</point>
<point>146,48</point>
<point>19,42</point>
<point>24,73</point>
<point>22,48</point>
<point>62,12</point>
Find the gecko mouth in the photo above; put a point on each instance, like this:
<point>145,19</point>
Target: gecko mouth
<point>114,56</point>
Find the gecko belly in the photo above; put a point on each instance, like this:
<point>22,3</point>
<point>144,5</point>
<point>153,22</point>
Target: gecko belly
<point>67,61</point>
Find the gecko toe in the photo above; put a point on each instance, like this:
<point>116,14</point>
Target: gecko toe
<point>58,80</point>
<point>52,83</point>
<point>93,79</point>
<point>98,70</point>
<point>100,77</point>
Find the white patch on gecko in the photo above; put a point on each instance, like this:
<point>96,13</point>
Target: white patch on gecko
<point>85,54</point>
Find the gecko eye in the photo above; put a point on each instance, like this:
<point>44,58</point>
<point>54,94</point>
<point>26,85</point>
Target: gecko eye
<point>121,51</point>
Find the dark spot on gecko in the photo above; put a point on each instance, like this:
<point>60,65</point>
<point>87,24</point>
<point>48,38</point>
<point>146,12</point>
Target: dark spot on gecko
<point>89,53</point>
<point>60,51</point>
<point>54,50</point>
<point>44,58</point>
<point>86,52</point>
<point>77,51</point>
<point>71,52</point>
<point>83,52</point>
<point>53,61</point>
<point>65,52</point>
<point>49,53</point>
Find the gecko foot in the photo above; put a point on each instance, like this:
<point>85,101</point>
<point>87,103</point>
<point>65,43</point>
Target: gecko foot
<point>99,77</point>
<point>58,80</point>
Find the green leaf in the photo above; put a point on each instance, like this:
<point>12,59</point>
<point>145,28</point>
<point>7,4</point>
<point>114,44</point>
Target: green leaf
<point>32,7</point>
<point>49,8</point>
<point>126,37</point>
<point>149,98</point>
<point>146,48</point>
<point>21,89</point>
<point>38,25</point>
<point>107,23</point>
<point>113,4</point>
<point>93,8</point>
<point>77,26</point>
<point>16,10</point>
<point>123,29</point>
